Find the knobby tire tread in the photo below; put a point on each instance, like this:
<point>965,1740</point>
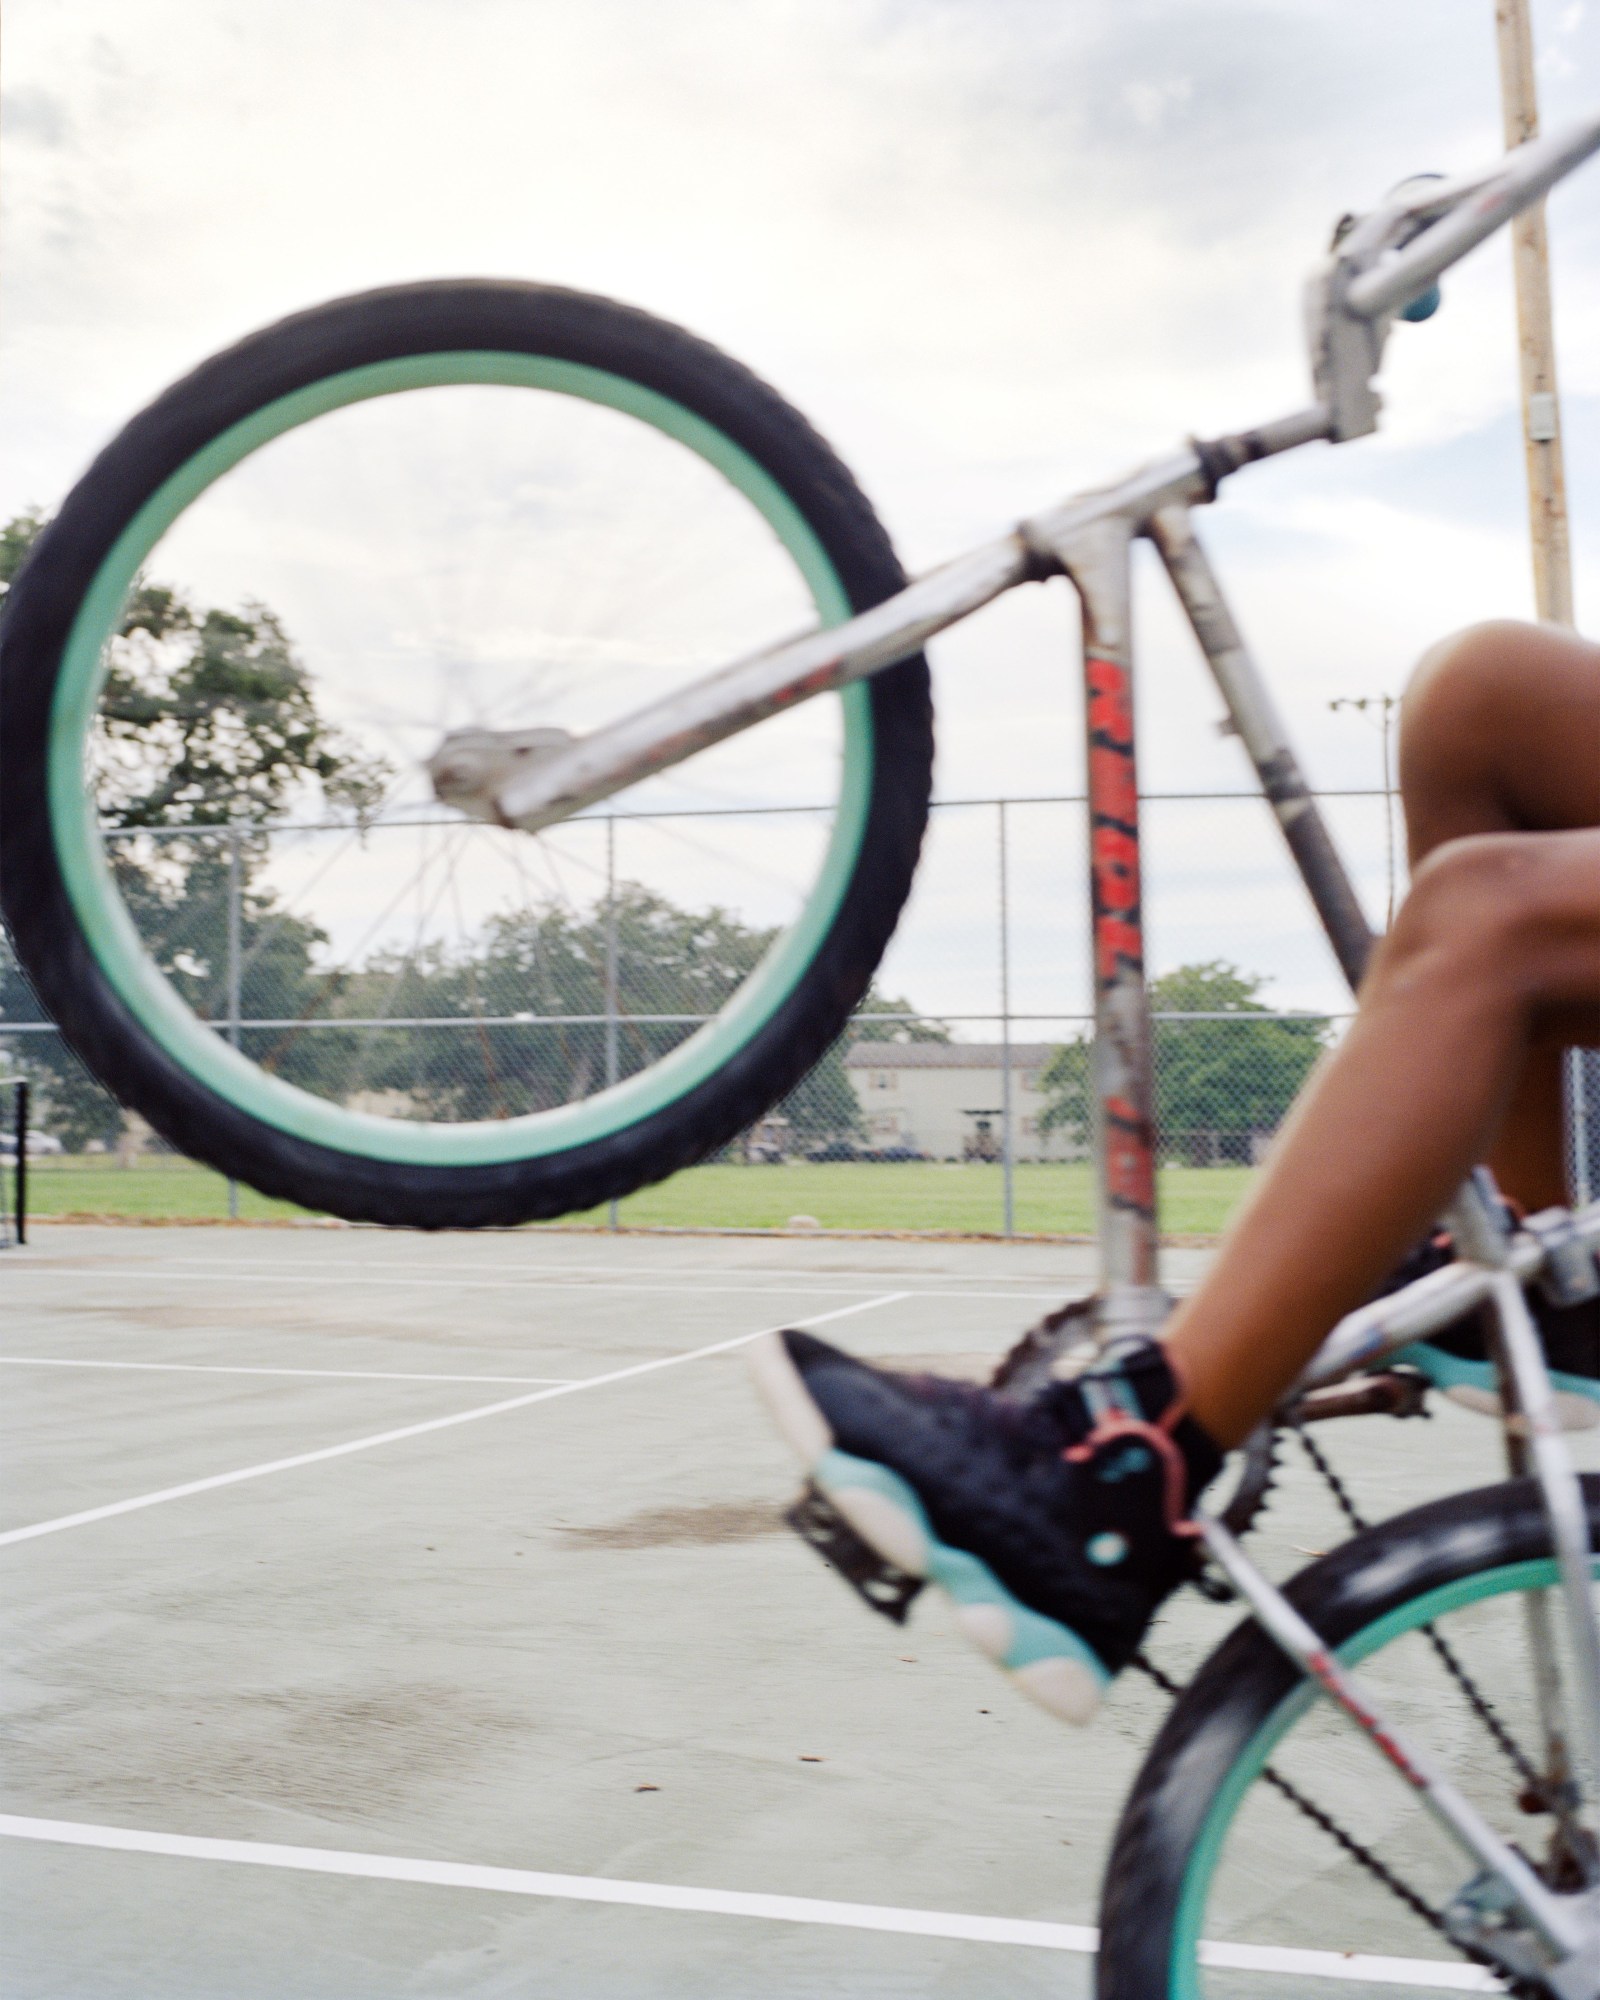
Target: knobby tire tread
<point>348,333</point>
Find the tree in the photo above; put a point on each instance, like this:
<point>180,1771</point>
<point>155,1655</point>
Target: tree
<point>208,717</point>
<point>208,721</point>
<point>537,981</point>
<point>1066,1082</point>
<point>1218,1081</point>
<point>866,1027</point>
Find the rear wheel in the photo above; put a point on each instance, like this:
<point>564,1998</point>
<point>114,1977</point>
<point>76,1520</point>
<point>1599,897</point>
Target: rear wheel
<point>228,658</point>
<point>1229,1863</point>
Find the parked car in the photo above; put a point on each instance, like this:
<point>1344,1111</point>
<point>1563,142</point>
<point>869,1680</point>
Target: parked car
<point>845,1149</point>
<point>38,1143</point>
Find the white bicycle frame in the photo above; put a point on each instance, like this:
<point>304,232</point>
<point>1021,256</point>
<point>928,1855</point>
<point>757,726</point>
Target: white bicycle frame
<point>1378,264</point>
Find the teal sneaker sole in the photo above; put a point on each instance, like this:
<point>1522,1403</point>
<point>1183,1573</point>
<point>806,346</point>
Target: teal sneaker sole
<point>1048,1661</point>
<point>1473,1384</point>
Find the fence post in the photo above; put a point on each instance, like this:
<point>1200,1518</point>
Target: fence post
<point>1581,1138</point>
<point>235,921</point>
<point>611,969</point>
<point>1007,1143</point>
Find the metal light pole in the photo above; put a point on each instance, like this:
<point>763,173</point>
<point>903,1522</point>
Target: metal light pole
<point>611,974</point>
<point>1541,410</point>
<point>1008,1151</point>
<point>1386,706</point>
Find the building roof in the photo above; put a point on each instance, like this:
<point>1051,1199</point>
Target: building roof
<point>946,1055</point>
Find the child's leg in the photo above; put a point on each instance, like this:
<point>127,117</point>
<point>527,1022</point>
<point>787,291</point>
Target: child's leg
<point>1493,965</point>
<point>1058,1523</point>
<point>1500,734</point>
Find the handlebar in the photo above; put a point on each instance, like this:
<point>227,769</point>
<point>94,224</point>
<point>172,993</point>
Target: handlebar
<point>1393,255</point>
<point>1458,215</point>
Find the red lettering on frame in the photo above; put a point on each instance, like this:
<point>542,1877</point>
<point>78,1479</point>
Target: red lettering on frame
<point>1116,867</point>
<point>1113,787</point>
<point>1117,944</point>
<point>1110,708</point>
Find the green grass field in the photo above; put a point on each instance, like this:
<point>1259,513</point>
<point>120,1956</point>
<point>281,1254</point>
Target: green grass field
<point>963,1199</point>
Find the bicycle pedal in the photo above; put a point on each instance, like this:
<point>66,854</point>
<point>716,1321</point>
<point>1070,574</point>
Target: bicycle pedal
<point>819,1524</point>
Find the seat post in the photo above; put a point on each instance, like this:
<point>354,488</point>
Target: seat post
<point>1097,560</point>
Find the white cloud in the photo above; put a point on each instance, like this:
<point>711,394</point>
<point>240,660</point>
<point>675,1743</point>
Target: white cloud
<point>993,251</point>
<point>1151,102</point>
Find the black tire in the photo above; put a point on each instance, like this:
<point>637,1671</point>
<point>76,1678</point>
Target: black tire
<point>385,327</point>
<point>1244,1685</point>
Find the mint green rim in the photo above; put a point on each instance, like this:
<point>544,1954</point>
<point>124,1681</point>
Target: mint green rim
<point>1539,1574</point>
<point>197,1048</point>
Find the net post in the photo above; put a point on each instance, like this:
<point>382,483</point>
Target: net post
<point>21,1181</point>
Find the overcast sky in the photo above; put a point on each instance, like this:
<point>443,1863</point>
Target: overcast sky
<point>995,249</point>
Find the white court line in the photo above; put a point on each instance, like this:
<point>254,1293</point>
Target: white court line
<point>218,1368</point>
<point>1360,1967</point>
<point>219,1479</point>
<point>388,1265</point>
<point>190,1269</point>
<point>409,1276</point>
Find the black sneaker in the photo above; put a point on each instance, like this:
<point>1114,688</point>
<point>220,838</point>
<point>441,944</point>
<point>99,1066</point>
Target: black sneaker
<point>1056,1525</point>
<point>1457,1359</point>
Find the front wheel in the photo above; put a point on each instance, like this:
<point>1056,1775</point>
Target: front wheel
<point>228,659</point>
<point>1265,1835</point>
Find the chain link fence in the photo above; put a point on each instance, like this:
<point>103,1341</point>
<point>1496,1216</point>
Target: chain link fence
<point>959,1099</point>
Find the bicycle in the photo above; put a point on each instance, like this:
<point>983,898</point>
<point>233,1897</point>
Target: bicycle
<point>688,436</point>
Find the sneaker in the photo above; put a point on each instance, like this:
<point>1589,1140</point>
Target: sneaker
<point>1056,1525</point>
<point>1457,1358</point>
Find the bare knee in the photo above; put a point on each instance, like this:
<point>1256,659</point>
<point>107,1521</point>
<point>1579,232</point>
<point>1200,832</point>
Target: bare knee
<point>1461,686</point>
<point>1498,730</point>
<point>1472,911</point>
<point>1466,664</point>
<point>1503,920</point>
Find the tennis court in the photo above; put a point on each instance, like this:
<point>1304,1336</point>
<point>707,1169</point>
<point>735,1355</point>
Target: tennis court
<point>411,1616</point>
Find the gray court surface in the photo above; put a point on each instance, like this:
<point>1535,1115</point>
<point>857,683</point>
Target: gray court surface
<point>411,1616</point>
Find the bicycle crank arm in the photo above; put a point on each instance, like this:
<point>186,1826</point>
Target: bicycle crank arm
<point>1567,1928</point>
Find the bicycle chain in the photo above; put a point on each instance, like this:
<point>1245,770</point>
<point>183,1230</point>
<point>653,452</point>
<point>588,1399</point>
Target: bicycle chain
<point>1480,1704</point>
<point>1368,1860</point>
<point>1324,1821</point>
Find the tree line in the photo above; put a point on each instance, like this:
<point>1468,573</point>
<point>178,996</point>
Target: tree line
<point>1220,1079</point>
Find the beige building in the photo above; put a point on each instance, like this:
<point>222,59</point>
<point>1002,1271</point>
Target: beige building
<point>945,1099</point>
